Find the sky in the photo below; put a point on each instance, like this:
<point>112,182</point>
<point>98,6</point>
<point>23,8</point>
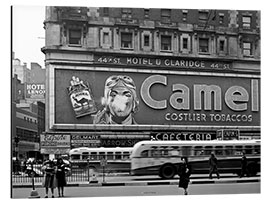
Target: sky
<point>28,38</point>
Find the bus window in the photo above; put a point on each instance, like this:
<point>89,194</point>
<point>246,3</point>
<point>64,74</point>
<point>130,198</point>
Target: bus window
<point>93,156</point>
<point>118,155</point>
<point>102,155</point>
<point>144,153</point>
<point>155,153</point>
<point>186,151</point>
<point>228,150</point>
<point>85,155</point>
<point>218,150</point>
<point>75,157</point>
<point>125,155</point>
<point>257,150</point>
<point>164,152</point>
<point>248,149</point>
<point>238,150</point>
<point>110,155</point>
<point>208,150</point>
<point>198,150</point>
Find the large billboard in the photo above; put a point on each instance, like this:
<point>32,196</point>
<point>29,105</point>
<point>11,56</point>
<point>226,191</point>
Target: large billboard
<point>116,96</point>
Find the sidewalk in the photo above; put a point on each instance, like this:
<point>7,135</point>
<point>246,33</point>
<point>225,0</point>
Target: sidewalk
<point>121,181</point>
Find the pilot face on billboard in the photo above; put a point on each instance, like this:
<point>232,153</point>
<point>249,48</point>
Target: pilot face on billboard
<point>120,101</point>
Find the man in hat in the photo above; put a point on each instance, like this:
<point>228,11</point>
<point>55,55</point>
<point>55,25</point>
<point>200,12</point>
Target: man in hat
<point>120,101</point>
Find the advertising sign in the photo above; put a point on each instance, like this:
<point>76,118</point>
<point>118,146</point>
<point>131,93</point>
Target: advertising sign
<point>161,98</point>
<point>51,143</point>
<point>85,140</point>
<point>35,90</point>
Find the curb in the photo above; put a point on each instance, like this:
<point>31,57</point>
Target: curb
<point>145,183</point>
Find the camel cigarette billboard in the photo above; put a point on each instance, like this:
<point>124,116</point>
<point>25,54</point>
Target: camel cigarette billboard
<point>142,98</point>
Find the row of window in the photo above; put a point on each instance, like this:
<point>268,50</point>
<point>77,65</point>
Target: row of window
<point>202,151</point>
<point>26,135</point>
<point>165,15</point>
<point>101,155</point>
<point>166,42</point>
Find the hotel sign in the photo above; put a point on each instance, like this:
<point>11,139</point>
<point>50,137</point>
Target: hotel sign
<point>176,62</point>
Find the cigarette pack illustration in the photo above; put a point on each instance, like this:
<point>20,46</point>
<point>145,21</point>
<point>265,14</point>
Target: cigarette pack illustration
<point>81,97</point>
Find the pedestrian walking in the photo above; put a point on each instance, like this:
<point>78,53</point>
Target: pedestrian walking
<point>61,176</point>
<point>184,173</point>
<point>244,166</point>
<point>213,166</point>
<point>49,178</point>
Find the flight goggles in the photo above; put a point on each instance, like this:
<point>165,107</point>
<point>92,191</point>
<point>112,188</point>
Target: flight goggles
<point>115,79</point>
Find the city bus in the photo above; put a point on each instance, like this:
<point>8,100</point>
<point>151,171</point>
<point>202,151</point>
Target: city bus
<point>163,157</point>
<point>97,159</point>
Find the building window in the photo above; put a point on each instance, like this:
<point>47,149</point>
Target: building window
<point>146,41</point>
<point>146,13</point>
<point>106,11</point>
<point>203,16</point>
<point>126,40</point>
<point>247,49</point>
<point>246,21</point>
<point>185,12</point>
<point>203,45</point>
<point>222,45</point>
<point>166,43</point>
<point>221,18</point>
<point>185,43</point>
<point>75,36</point>
<point>126,13</point>
<point>106,39</point>
<point>165,15</point>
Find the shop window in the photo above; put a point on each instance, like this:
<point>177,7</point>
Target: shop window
<point>75,36</point>
<point>246,20</point>
<point>126,40</point>
<point>165,15</point>
<point>146,13</point>
<point>166,43</point>
<point>204,45</point>
<point>247,49</point>
<point>126,13</point>
<point>146,41</point>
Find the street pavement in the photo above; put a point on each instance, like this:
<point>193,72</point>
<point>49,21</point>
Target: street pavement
<point>144,186</point>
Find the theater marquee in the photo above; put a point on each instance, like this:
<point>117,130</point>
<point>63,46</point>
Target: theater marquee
<point>143,98</point>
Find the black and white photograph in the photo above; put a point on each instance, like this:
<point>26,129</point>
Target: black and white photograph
<point>135,101</point>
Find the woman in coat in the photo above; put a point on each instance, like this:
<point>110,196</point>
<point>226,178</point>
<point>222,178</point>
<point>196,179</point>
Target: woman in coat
<point>61,176</point>
<point>184,174</point>
<point>49,178</point>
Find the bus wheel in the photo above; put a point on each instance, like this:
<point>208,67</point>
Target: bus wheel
<point>252,169</point>
<point>167,171</point>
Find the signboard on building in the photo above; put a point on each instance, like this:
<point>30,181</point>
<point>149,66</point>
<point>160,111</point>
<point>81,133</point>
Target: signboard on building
<point>54,143</point>
<point>157,98</point>
<point>35,90</point>
<point>85,140</point>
